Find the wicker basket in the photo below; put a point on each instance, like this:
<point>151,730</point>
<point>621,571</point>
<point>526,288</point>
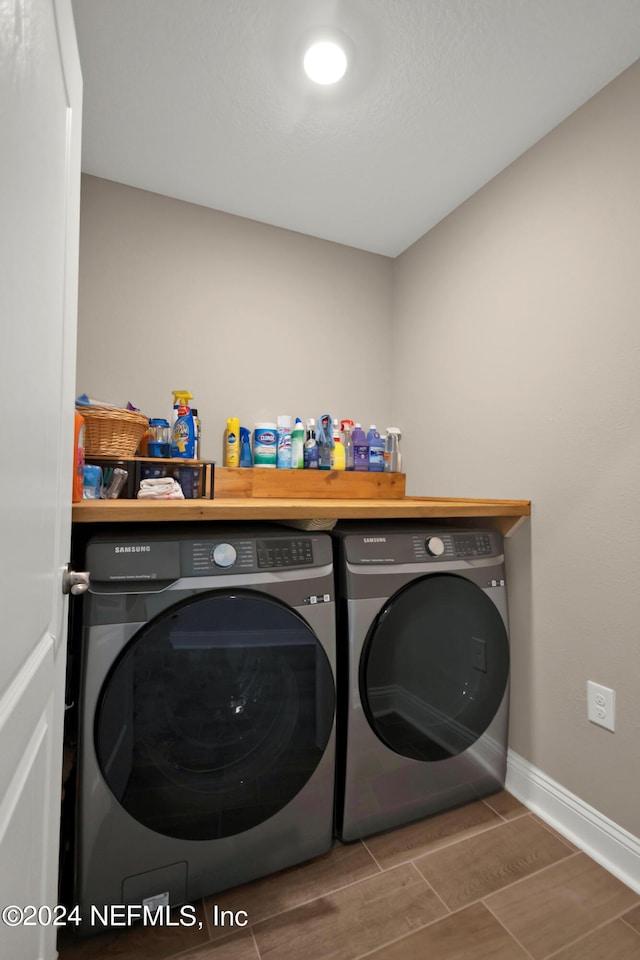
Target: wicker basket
<point>111,432</point>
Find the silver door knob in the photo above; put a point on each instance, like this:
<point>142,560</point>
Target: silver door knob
<point>75,582</point>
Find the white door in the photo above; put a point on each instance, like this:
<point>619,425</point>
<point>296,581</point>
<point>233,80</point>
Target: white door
<point>40,116</point>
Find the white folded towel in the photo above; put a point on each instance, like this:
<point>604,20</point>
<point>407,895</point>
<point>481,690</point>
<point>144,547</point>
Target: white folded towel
<point>160,488</point>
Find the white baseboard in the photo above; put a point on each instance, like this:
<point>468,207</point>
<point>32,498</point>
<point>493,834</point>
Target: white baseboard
<point>614,848</point>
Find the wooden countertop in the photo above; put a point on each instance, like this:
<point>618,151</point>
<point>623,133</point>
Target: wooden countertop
<point>504,515</point>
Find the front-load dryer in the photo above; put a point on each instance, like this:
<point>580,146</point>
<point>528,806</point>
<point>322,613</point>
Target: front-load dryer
<point>207,702</point>
<point>423,672</point>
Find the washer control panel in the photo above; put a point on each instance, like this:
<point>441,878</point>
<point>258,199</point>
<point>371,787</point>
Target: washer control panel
<point>473,545</point>
<point>284,553</point>
<point>211,557</point>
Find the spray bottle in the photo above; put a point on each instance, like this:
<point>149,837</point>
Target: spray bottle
<point>183,435</point>
<point>346,430</point>
<point>325,441</point>
<point>246,459</point>
<point>180,399</point>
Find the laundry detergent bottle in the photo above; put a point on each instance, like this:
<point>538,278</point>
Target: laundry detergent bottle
<point>360,449</point>
<point>376,450</point>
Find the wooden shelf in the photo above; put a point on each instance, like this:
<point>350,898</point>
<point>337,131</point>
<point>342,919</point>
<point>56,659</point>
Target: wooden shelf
<point>503,515</point>
<point>307,484</point>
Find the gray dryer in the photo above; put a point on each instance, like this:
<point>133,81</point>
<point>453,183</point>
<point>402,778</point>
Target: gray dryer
<point>423,671</point>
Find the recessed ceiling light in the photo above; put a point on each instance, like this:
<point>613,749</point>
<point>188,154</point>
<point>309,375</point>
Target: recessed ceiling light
<point>325,62</point>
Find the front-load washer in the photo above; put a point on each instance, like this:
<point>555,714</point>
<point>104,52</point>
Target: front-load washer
<point>207,702</point>
<point>423,672</point>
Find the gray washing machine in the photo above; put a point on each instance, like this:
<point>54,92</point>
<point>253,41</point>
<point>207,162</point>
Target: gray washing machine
<point>423,667</point>
<point>207,704</point>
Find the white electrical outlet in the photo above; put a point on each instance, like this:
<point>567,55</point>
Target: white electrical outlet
<point>601,705</point>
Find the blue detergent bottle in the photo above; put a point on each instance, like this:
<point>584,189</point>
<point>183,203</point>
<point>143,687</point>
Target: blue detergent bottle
<point>376,450</point>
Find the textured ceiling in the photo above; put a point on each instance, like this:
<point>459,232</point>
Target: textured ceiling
<point>205,101</point>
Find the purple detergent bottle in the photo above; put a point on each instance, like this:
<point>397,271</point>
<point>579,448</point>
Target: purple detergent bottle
<point>360,448</point>
<point>376,450</point>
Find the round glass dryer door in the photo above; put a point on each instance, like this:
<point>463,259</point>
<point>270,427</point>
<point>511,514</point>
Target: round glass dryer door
<point>434,667</point>
<point>215,715</point>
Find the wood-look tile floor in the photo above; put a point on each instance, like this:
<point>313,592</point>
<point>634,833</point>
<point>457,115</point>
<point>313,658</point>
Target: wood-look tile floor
<point>487,881</point>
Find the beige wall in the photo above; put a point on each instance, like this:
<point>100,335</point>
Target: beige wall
<point>253,320</point>
<point>517,374</point>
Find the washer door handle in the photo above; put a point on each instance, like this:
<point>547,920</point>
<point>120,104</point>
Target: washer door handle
<point>75,582</point>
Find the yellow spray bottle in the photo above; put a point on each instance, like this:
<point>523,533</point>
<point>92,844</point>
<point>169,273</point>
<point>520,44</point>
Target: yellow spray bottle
<point>231,453</point>
<point>180,399</point>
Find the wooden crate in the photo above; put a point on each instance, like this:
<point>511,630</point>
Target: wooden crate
<point>258,482</point>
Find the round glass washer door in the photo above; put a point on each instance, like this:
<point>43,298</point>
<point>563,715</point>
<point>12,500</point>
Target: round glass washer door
<point>434,667</point>
<point>215,715</point>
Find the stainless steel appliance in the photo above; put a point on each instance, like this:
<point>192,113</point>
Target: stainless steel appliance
<point>423,666</point>
<point>207,700</point>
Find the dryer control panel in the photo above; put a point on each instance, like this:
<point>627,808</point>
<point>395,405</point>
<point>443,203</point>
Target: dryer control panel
<point>422,546</point>
<point>460,546</point>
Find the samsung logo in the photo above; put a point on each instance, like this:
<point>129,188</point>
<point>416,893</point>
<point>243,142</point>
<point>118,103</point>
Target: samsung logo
<point>138,549</point>
<point>374,539</point>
